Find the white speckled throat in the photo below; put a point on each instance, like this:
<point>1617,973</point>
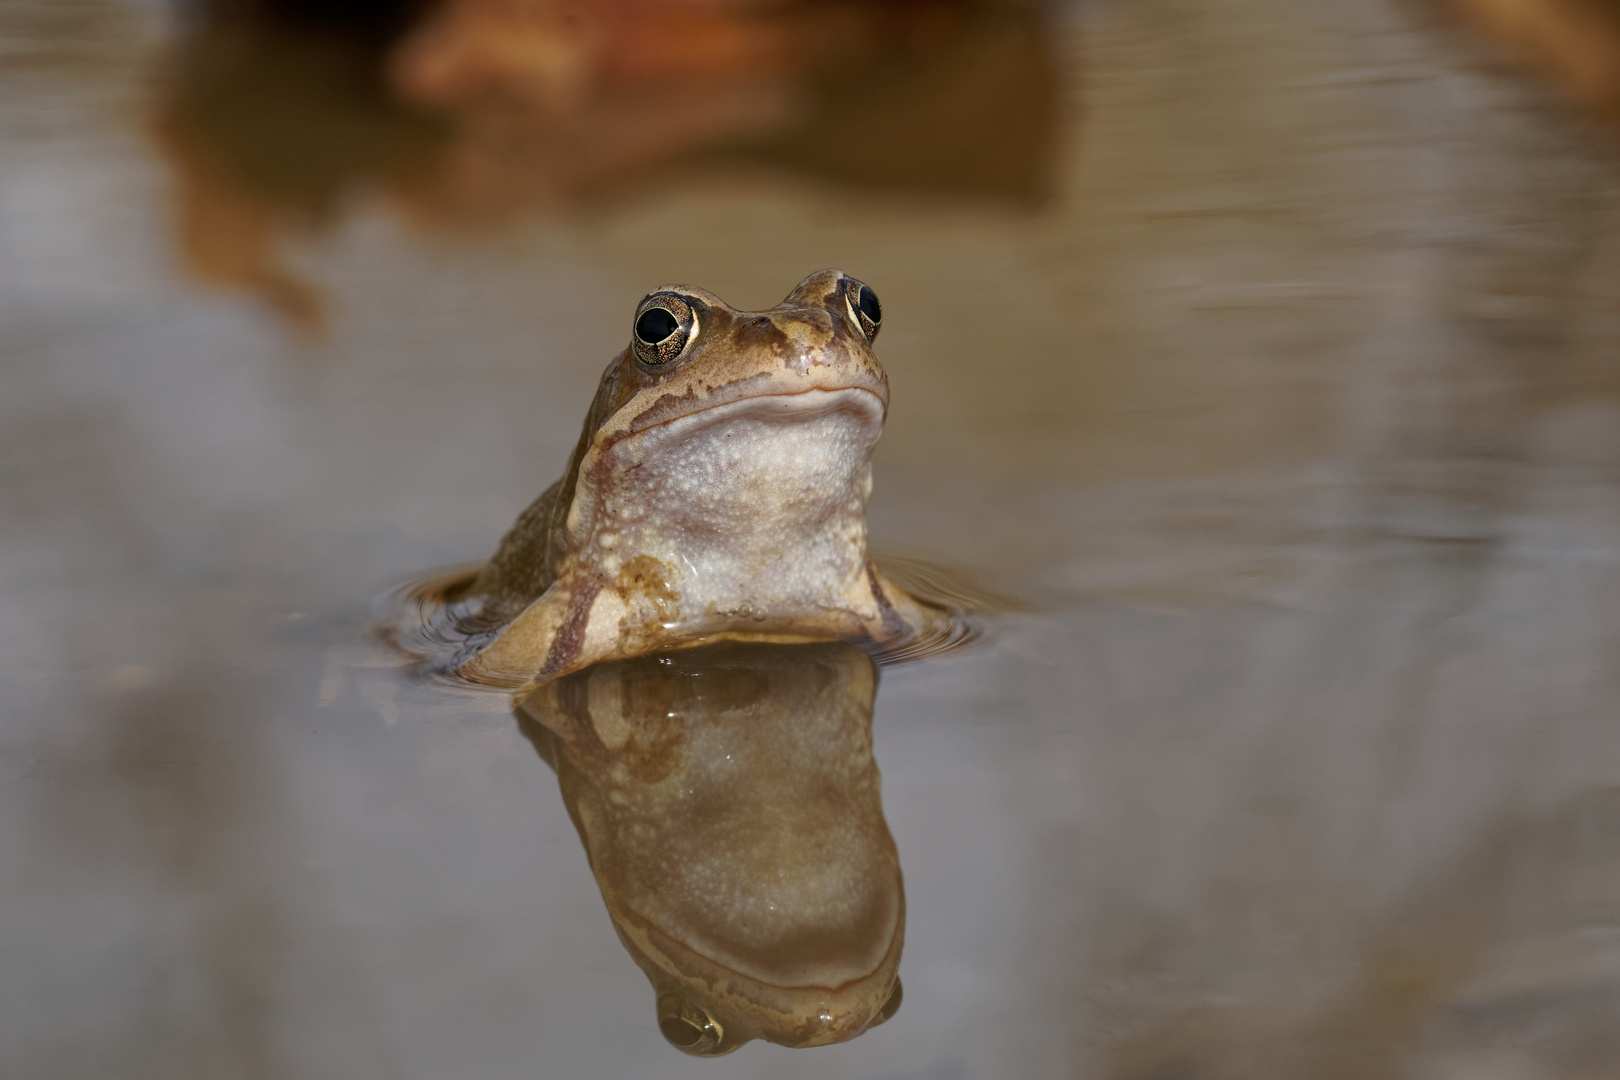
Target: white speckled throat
<point>755,504</point>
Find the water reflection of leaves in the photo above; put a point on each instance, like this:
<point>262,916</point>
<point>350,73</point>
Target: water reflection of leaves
<point>268,131</point>
<point>937,95</point>
<point>483,110</point>
<point>1576,42</point>
<point>729,805</point>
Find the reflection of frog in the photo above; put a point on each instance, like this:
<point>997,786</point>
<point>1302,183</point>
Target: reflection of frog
<point>728,802</point>
<point>719,489</point>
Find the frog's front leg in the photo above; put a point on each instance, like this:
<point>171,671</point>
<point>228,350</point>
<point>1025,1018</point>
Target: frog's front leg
<point>890,615</point>
<point>562,631</point>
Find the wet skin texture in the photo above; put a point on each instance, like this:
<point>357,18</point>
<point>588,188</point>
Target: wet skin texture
<point>718,490</point>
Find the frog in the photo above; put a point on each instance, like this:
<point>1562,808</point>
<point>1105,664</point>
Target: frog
<point>717,491</point>
<point>729,806</point>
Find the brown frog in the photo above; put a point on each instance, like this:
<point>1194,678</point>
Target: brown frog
<point>718,490</point>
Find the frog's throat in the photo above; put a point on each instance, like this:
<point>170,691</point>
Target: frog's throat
<point>631,450</point>
<point>760,494</point>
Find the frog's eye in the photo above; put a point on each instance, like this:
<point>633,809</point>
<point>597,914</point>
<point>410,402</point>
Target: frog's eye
<point>689,1028</point>
<point>864,308</point>
<point>665,326</point>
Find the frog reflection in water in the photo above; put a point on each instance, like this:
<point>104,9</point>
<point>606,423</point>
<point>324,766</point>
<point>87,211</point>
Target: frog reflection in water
<point>718,490</point>
<point>729,805</point>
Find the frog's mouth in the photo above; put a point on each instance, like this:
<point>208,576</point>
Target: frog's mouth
<point>857,403</point>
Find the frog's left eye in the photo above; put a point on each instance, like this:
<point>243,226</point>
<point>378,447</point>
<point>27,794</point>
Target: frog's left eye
<point>863,306</point>
<point>665,326</point>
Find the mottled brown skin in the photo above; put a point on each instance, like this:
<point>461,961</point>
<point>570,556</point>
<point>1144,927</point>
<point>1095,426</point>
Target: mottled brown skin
<point>730,807</point>
<point>719,495</point>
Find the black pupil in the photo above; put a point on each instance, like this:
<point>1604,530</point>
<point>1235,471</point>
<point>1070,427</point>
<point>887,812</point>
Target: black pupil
<point>868,303</point>
<point>656,324</point>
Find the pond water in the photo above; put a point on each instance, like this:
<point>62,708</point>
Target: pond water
<point>1259,354</point>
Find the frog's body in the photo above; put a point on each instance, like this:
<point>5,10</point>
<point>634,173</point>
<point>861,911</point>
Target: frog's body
<point>718,490</point>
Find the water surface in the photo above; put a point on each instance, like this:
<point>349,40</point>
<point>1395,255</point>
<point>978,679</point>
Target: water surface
<point>1273,377</point>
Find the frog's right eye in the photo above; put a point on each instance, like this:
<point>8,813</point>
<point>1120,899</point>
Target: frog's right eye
<point>863,307</point>
<point>665,327</point>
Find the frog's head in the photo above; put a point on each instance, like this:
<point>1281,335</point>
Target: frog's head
<point>694,361</point>
<point>730,450</point>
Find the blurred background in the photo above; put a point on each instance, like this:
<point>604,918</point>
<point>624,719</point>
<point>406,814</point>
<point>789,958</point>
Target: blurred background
<point>1264,352</point>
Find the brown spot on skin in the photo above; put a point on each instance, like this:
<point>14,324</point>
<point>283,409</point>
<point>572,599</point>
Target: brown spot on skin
<point>570,639</point>
<point>667,407</point>
<point>759,334</point>
<point>812,326</point>
<point>648,590</point>
<point>893,625</point>
<point>672,406</point>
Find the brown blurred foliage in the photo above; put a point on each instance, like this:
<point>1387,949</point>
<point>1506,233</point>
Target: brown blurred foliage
<point>472,112</point>
<point>923,95</point>
<point>1576,42</point>
<point>268,130</point>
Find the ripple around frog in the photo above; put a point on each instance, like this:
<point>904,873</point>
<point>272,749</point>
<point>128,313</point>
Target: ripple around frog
<point>426,620</point>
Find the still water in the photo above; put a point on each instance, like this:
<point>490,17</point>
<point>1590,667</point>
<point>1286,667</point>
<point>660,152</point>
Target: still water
<point>1258,354</point>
